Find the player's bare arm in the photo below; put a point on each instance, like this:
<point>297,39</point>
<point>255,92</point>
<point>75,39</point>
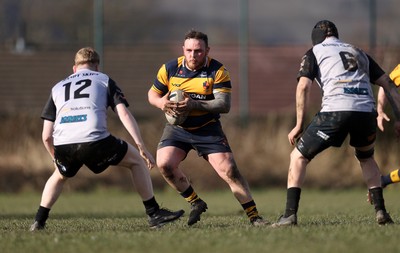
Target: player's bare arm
<point>302,94</point>
<point>132,127</point>
<point>220,104</point>
<point>393,97</point>
<point>381,103</point>
<point>391,94</point>
<point>47,137</point>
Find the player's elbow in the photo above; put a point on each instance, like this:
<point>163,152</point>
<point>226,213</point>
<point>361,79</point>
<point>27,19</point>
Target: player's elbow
<point>150,96</point>
<point>153,98</point>
<point>122,111</point>
<point>47,140</point>
<point>225,107</point>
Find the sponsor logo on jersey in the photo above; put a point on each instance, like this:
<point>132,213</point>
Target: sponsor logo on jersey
<point>90,74</point>
<point>203,74</point>
<point>73,119</point>
<point>198,96</point>
<point>180,73</point>
<point>77,108</point>
<point>336,45</point>
<point>71,76</point>
<point>176,84</point>
<point>355,91</point>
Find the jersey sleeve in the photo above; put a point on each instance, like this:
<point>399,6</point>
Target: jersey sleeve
<point>395,75</point>
<point>49,111</point>
<point>160,84</point>
<point>308,66</point>
<point>222,82</point>
<point>375,71</point>
<point>116,96</point>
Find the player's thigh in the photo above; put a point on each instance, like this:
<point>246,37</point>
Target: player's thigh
<point>170,156</point>
<point>222,162</point>
<point>132,158</point>
<point>99,155</point>
<point>325,130</point>
<point>67,160</point>
<point>363,130</point>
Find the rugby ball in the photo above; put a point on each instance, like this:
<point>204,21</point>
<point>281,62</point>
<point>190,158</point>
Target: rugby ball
<point>176,96</point>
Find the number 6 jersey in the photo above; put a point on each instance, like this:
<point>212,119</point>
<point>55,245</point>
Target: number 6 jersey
<point>78,107</point>
<point>344,73</point>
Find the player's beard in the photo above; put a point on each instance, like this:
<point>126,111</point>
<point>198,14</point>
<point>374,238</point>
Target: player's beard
<point>195,64</point>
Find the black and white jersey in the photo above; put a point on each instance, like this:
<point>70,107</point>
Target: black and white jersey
<point>78,107</point>
<point>344,73</point>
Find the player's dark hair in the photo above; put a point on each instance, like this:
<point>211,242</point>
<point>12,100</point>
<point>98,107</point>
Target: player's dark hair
<point>323,29</point>
<point>193,34</point>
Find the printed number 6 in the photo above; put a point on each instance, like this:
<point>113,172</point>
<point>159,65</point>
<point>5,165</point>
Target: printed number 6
<point>349,61</point>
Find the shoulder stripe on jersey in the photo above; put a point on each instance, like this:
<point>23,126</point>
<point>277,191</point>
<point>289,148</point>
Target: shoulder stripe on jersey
<point>223,85</point>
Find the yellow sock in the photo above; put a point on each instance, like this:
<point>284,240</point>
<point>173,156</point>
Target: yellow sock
<point>394,176</point>
<point>192,198</point>
<point>250,209</point>
<point>190,195</point>
<point>252,212</point>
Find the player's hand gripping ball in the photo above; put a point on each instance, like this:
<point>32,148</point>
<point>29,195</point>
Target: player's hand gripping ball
<point>178,118</point>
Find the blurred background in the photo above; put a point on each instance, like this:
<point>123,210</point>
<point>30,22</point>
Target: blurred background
<point>260,42</point>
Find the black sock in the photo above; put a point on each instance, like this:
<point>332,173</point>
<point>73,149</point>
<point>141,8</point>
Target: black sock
<point>292,201</point>
<point>151,206</point>
<point>42,215</point>
<point>377,198</point>
<point>386,180</point>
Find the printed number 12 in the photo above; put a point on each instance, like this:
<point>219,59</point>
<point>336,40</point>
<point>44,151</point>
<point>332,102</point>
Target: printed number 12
<point>78,93</point>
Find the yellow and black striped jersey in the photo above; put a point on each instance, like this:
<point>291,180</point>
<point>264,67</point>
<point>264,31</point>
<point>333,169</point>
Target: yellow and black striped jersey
<point>200,85</point>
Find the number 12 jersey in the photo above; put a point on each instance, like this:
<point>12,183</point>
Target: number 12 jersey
<point>78,107</point>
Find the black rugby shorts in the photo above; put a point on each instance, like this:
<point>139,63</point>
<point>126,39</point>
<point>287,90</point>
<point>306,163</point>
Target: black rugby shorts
<point>97,155</point>
<point>331,129</point>
<point>205,140</point>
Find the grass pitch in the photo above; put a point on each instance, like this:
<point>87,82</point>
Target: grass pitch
<point>114,221</point>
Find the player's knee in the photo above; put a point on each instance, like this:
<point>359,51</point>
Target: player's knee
<point>164,168</point>
<point>167,170</point>
<point>297,155</point>
<point>361,154</point>
<point>60,177</point>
